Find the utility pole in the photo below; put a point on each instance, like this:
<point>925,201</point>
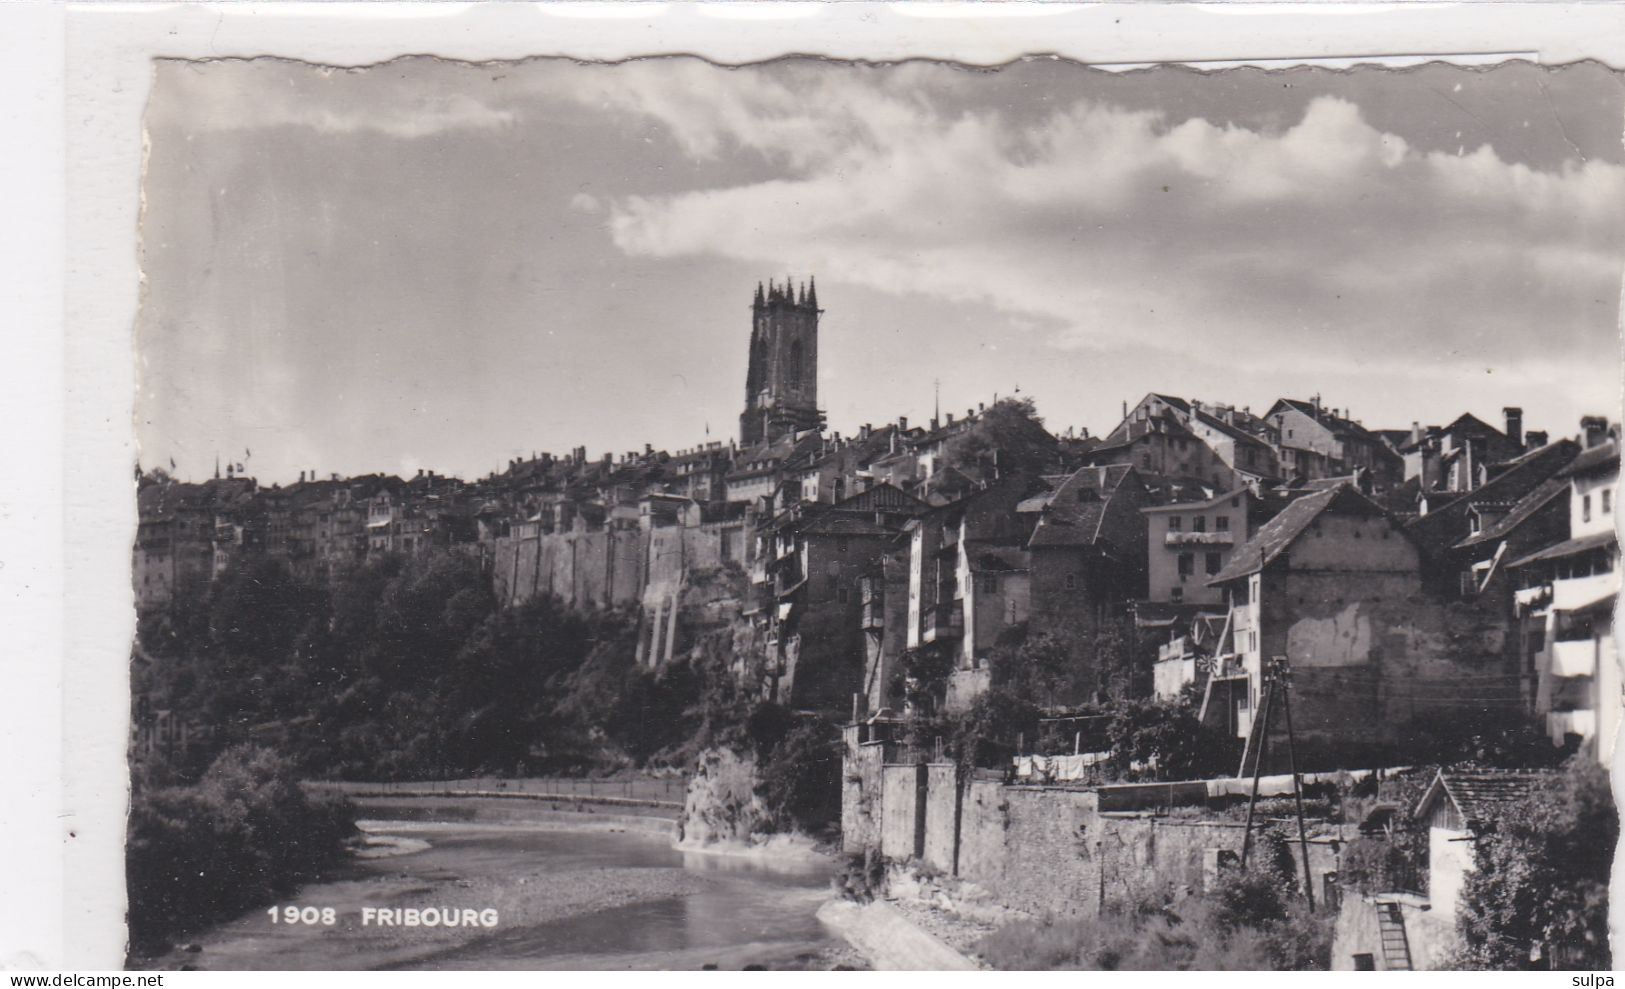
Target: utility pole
<point>1284,676</point>
<point>1261,729</point>
<point>1278,681</point>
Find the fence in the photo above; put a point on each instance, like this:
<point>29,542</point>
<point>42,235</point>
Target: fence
<point>662,790</point>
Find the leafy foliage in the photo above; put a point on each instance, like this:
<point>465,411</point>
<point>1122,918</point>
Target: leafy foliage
<point>243,835</point>
<point>1164,741</point>
<point>404,668</point>
<point>800,777</point>
<point>1011,431</point>
<point>1250,920</point>
<point>1539,886</point>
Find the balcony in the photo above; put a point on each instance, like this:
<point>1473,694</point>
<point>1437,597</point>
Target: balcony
<point>945,620</point>
<point>1576,658</point>
<point>1222,538</point>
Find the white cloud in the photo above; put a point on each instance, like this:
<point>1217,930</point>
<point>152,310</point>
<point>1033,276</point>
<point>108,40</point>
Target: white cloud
<point>1110,226</point>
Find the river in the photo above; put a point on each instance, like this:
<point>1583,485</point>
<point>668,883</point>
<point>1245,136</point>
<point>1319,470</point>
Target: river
<point>584,895</point>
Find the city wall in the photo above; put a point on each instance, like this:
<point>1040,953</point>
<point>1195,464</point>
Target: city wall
<point>650,569</point>
<point>1044,850</point>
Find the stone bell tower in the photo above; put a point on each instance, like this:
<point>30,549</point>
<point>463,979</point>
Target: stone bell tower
<point>781,387</point>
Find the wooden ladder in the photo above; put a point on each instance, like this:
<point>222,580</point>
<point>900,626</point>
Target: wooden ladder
<point>1396,947</point>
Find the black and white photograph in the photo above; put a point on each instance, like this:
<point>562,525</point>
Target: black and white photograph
<point>825,514</point>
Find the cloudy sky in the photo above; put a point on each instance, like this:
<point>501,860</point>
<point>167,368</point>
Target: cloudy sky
<point>437,265</point>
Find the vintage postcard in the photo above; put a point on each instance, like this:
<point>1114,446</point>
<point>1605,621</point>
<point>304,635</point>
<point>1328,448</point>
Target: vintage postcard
<point>830,513</point>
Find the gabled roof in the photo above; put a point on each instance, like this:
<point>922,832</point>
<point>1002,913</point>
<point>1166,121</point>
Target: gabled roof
<point>1131,431</point>
<point>1240,435</point>
<point>1444,526</point>
<point>1477,796</point>
<point>1337,424</point>
<point>1075,515</point>
<point>1595,459</point>
<point>1283,530</point>
<point>1569,547</point>
<point>1549,490</point>
<point>884,496</point>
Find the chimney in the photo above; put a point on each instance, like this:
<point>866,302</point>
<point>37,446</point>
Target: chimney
<point>1416,431</point>
<point>1535,439</point>
<point>1125,408</point>
<point>902,423</point>
<point>865,431</point>
<point>1514,421</point>
<point>980,407</point>
<point>301,477</point>
<point>1595,430</point>
<point>648,449</point>
<point>950,418</point>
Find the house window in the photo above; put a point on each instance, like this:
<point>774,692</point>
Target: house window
<point>1187,565</point>
<point>1222,523</point>
<point>1585,509</point>
<point>989,584</point>
<point>841,593</point>
<point>1365,963</point>
<point>1199,523</point>
<point>1214,563</point>
<point>1177,594</point>
<point>1071,581</point>
<point>1175,523</point>
<point>1607,500</point>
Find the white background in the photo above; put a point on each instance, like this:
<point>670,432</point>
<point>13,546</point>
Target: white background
<point>74,85</point>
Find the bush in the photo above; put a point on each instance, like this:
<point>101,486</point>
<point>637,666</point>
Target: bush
<point>1539,885</point>
<point>242,836</point>
<point>862,877</point>
<point>1252,920</point>
<point>801,778</point>
<point>1164,741</point>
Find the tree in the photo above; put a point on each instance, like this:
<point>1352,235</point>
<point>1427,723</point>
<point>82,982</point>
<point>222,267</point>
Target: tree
<point>1011,433</point>
<point>1539,885</point>
<point>1164,741</point>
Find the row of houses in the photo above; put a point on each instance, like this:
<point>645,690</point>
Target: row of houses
<point>1385,565</point>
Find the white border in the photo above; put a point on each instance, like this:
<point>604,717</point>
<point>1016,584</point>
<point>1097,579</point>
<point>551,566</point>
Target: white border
<point>67,511</point>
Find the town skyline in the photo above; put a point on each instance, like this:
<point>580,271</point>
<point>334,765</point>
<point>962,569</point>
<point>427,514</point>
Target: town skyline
<point>328,287</point>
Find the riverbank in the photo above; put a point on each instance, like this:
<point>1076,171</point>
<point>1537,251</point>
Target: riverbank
<point>890,940</point>
<point>568,891</point>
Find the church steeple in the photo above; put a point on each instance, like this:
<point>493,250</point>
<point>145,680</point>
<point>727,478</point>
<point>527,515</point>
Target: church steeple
<point>781,383</point>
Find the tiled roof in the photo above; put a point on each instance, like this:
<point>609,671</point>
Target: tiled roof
<point>1284,529</point>
<point>1336,424</point>
<point>1071,520</point>
<point>1231,431</point>
<point>1569,547</point>
<point>1599,457</point>
<point>1446,525</point>
<point>1478,796</point>
<point>1534,501</point>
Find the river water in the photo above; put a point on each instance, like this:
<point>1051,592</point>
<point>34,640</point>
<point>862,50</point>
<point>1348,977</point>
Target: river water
<point>565,898</point>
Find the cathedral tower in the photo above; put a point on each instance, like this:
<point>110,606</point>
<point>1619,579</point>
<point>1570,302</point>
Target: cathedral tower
<point>781,387</point>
